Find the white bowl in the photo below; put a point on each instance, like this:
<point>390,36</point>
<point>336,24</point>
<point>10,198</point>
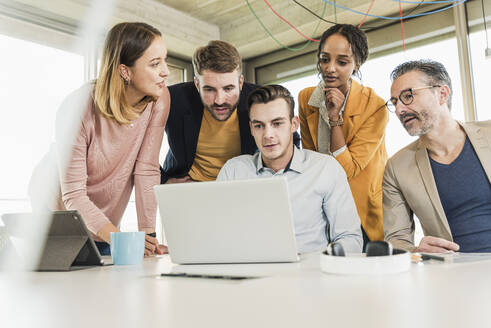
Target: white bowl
<point>363,265</point>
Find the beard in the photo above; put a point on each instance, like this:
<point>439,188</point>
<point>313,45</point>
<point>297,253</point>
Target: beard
<point>421,125</point>
<point>221,117</point>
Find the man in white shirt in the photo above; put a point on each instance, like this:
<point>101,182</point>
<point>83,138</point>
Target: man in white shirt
<point>323,207</point>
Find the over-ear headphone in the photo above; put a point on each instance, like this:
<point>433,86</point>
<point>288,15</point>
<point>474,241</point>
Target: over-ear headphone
<point>379,248</point>
<point>335,249</point>
<point>374,248</point>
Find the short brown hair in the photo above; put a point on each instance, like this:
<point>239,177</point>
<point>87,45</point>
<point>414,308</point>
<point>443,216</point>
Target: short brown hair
<point>217,56</point>
<point>268,93</point>
<point>125,43</point>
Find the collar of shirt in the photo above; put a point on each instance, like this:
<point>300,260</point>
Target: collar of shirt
<point>295,164</point>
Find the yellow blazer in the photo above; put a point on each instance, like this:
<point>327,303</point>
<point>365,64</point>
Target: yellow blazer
<point>365,118</point>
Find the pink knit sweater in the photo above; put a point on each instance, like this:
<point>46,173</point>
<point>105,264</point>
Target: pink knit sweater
<point>108,159</point>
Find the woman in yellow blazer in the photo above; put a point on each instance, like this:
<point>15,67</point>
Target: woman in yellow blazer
<point>348,120</point>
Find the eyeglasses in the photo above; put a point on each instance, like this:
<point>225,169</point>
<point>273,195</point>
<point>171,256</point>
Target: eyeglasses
<point>406,97</point>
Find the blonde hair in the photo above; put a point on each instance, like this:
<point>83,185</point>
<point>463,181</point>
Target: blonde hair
<point>125,43</point>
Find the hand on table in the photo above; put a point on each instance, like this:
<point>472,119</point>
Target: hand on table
<point>152,246</point>
<point>430,244</point>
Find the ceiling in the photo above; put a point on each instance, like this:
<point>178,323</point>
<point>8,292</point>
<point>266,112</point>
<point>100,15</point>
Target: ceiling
<point>238,25</point>
<point>188,24</point>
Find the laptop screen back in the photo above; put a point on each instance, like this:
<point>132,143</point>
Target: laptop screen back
<point>228,222</point>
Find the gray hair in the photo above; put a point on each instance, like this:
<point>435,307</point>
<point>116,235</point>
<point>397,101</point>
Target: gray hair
<point>434,71</point>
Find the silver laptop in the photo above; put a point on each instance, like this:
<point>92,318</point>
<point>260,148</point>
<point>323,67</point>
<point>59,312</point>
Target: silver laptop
<point>242,221</point>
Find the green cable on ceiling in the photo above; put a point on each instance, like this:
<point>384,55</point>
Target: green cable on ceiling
<point>276,40</point>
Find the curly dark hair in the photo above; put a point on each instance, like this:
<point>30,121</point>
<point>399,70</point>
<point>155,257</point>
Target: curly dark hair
<point>356,38</point>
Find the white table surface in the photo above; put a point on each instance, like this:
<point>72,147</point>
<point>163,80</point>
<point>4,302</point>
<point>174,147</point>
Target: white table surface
<point>286,295</point>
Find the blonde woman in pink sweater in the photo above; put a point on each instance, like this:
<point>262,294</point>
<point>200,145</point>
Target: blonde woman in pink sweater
<point>119,135</point>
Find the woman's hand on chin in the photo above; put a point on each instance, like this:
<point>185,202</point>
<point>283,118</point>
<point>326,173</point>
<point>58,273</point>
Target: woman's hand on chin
<point>334,99</point>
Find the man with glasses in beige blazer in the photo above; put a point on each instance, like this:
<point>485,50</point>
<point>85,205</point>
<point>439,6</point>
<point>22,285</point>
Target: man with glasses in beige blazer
<point>443,177</point>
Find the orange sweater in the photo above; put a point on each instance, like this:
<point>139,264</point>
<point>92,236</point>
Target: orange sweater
<point>218,141</point>
<point>365,118</point>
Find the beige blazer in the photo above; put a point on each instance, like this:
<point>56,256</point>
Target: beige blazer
<point>409,188</point>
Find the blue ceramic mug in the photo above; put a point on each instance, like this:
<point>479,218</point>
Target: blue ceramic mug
<point>127,247</point>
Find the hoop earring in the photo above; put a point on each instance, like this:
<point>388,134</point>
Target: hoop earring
<point>357,74</point>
